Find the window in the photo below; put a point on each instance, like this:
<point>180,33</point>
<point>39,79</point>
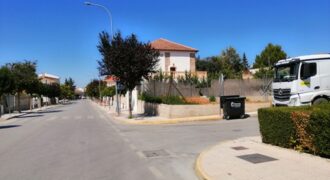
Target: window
<point>308,70</point>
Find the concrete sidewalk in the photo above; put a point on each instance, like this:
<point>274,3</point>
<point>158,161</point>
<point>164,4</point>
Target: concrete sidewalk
<point>151,120</point>
<point>250,159</point>
<point>154,120</point>
<point>6,117</point>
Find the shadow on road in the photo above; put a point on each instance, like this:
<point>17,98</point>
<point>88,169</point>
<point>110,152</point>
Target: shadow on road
<point>29,116</point>
<point>9,126</point>
<point>46,112</point>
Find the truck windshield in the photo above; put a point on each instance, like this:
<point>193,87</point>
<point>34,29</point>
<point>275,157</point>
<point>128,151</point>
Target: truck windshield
<point>286,72</point>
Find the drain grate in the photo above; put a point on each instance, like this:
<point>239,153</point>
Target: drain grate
<point>155,153</point>
<point>256,158</point>
<point>239,148</point>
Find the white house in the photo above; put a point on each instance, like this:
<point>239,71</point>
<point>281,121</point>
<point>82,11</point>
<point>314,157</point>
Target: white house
<point>176,58</point>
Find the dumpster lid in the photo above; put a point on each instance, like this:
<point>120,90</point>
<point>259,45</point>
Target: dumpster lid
<point>233,98</point>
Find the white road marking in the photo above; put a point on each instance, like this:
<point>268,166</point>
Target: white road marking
<point>90,117</point>
<point>155,172</point>
<point>77,117</point>
<point>65,117</point>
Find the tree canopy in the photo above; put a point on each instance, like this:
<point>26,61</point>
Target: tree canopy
<point>7,82</point>
<point>128,59</point>
<point>93,88</point>
<point>269,56</point>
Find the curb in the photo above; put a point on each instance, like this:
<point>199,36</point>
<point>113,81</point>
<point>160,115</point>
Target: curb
<point>162,121</point>
<point>29,112</point>
<point>168,121</point>
<point>171,121</point>
<point>201,174</point>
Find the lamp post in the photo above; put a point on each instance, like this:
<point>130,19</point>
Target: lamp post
<point>111,31</point>
<point>106,10</point>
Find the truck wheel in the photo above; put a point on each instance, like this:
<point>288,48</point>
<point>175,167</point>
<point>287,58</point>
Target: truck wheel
<point>227,117</point>
<point>320,101</point>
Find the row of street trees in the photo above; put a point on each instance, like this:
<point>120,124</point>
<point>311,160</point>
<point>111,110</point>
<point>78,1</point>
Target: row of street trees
<point>21,77</point>
<point>97,88</point>
<point>232,65</point>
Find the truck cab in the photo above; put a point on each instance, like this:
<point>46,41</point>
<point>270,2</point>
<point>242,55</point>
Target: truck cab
<point>303,80</point>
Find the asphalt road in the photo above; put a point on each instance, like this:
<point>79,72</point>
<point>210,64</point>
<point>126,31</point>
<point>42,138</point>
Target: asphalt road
<point>80,141</point>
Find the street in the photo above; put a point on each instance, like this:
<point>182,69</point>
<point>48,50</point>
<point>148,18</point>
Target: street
<point>80,141</point>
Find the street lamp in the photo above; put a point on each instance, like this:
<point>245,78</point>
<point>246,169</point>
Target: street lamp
<point>111,31</point>
<point>104,8</point>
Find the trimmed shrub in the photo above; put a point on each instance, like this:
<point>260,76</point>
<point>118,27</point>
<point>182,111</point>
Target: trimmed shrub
<point>212,99</point>
<point>305,129</point>
<point>301,121</point>
<point>276,127</point>
<point>319,129</point>
<point>150,99</point>
<point>174,100</point>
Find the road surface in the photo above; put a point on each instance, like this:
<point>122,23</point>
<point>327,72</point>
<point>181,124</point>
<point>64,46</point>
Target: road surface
<point>80,141</point>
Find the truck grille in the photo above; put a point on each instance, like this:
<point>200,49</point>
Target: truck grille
<point>282,94</point>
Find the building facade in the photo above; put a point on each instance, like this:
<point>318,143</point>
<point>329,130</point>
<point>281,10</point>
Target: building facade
<point>176,58</point>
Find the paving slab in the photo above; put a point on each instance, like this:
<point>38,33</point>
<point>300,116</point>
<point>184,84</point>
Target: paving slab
<point>250,159</point>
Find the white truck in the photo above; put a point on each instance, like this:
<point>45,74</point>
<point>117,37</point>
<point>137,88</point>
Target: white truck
<point>303,80</point>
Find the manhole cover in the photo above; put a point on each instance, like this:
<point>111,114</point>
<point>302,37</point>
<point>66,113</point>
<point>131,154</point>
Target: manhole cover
<point>155,153</point>
<point>239,148</point>
<point>256,158</point>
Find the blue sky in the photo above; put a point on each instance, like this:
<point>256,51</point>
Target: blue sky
<point>62,35</point>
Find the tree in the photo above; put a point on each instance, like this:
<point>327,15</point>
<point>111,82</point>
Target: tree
<point>209,64</point>
<point>266,59</point>
<point>245,62</point>
<point>269,56</point>
<point>232,63</point>
<point>70,83</point>
<point>66,92</point>
<point>70,88</point>
<point>93,88</point>
<point>108,91</point>
<point>127,59</point>
<point>7,83</point>
<point>24,74</point>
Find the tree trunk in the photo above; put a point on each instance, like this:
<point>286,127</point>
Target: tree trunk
<point>31,102</point>
<point>19,102</point>
<point>1,104</point>
<point>130,103</point>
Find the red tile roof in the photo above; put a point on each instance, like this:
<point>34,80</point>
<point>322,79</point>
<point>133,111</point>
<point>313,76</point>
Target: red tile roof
<point>166,45</point>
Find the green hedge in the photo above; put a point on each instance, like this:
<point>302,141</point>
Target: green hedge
<point>319,129</point>
<point>287,127</point>
<point>174,100</point>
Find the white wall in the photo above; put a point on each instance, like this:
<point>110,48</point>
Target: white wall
<point>181,60</point>
<point>161,63</point>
